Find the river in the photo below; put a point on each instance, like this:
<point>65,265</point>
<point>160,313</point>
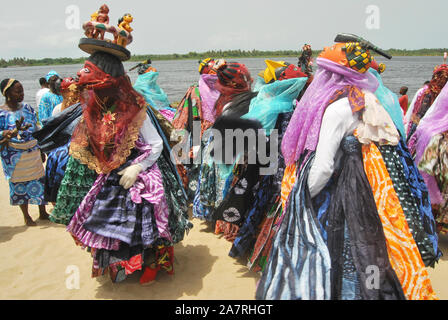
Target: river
<point>177,75</point>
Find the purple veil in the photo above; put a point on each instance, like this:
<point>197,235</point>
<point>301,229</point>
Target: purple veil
<point>209,95</point>
<point>433,124</point>
<point>303,130</point>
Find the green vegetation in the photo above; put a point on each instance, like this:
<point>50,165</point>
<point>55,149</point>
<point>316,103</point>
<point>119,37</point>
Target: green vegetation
<point>228,54</point>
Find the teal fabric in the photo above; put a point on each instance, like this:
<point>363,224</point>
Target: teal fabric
<point>147,86</point>
<point>273,99</point>
<point>390,102</point>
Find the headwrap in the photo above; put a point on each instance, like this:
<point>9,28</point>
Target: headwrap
<point>51,74</point>
<point>8,85</point>
<point>233,78</point>
<point>303,130</point>
<point>113,113</point>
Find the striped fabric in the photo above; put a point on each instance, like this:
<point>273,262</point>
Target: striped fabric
<point>299,264</point>
<point>29,167</point>
<point>83,237</point>
<point>403,253</point>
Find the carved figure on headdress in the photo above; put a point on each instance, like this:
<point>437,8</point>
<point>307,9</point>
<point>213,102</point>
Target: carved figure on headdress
<point>103,21</point>
<point>124,25</point>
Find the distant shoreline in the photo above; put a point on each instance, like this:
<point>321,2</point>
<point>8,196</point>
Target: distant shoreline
<point>227,54</point>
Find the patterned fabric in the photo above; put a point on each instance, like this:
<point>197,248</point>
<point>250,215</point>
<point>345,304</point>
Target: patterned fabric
<point>47,103</point>
<point>303,130</point>
<point>299,264</point>
<point>354,95</point>
<point>77,181</point>
<point>11,156</point>
<point>114,215</point>
<point>350,287</point>
<point>83,237</point>
<point>246,236</point>
<point>267,203</point>
<point>113,115</point>
<point>118,263</point>
<point>239,199</point>
<point>176,203</point>
<point>54,172</point>
<point>401,246</point>
<point>409,204</point>
<point>353,205</point>
<point>31,192</point>
<point>289,179</point>
<point>25,190</point>
<point>420,194</point>
<point>435,163</point>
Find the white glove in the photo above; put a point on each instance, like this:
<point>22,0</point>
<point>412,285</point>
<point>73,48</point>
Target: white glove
<point>129,175</point>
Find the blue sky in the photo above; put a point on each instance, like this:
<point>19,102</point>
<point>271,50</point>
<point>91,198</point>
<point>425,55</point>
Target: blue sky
<point>38,29</point>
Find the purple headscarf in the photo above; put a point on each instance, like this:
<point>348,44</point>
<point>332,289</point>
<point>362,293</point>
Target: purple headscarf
<point>433,124</point>
<point>303,130</point>
<point>209,95</point>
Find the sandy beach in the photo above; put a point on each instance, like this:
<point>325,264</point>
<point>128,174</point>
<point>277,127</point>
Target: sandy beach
<point>39,263</point>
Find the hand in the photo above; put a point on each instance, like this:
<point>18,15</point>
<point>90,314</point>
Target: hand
<point>129,175</point>
<point>9,134</point>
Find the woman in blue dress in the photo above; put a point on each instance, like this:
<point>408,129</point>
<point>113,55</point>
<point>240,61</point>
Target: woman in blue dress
<point>20,155</point>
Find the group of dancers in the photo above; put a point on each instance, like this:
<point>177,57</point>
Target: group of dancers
<point>349,204</point>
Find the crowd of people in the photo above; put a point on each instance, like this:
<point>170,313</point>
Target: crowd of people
<point>340,174</point>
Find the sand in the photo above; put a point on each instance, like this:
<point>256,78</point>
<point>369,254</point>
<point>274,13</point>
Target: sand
<point>42,263</point>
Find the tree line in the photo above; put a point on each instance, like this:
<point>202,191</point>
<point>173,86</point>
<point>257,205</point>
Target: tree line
<point>228,54</point>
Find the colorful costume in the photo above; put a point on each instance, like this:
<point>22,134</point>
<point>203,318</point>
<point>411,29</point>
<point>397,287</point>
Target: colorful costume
<point>197,111</point>
<point>424,101</point>
<point>352,193</point>
<point>130,206</point>
<point>123,227</point>
<point>57,159</point>
<point>431,157</point>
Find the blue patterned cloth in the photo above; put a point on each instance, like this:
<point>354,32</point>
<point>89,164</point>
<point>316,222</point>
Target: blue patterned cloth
<point>47,103</point>
<point>420,195</point>
<point>31,192</point>
<point>26,192</point>
<point>54,172</point>
<point>299,264</point>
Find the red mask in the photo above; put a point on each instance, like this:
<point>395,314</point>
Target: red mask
<point>93,77</point>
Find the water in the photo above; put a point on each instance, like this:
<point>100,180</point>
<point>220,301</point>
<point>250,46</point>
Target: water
<point>177,75</point>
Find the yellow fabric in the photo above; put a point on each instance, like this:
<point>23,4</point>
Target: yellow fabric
<point>269,72</point>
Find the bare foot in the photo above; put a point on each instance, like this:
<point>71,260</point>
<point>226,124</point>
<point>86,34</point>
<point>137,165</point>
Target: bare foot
<point>29,222</point>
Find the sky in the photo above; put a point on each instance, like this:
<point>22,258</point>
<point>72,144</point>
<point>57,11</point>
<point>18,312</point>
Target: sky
<point>52,29</point>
